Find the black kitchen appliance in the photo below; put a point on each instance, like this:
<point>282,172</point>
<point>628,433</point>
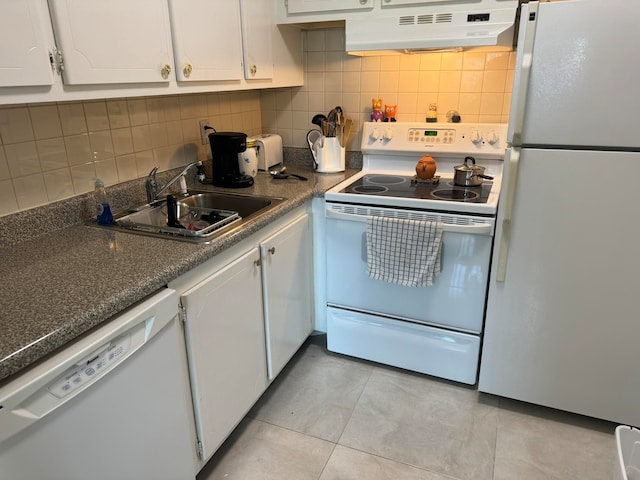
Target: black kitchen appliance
<point>225,147</point>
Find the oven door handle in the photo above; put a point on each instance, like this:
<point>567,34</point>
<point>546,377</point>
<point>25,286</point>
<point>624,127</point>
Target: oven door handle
<point>474,229</point>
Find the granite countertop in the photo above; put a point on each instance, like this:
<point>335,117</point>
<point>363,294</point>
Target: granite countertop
<point>62,284</point>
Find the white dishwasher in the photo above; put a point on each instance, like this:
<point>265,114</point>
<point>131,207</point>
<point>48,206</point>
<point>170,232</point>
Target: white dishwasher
<point>114,404</point>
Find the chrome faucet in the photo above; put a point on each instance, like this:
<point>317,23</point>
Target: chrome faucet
<point>151,183</point>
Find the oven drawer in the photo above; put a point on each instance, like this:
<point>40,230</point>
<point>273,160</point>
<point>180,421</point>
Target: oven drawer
<point>420,348</point>
<point>457,298</point>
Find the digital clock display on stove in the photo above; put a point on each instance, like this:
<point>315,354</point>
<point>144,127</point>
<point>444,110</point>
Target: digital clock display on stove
<point>430,133</point>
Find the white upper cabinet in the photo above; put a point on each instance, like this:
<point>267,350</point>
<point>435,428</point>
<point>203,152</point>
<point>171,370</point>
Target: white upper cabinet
<point>206,39</point>
<point>316,6</point>
<point>24,53</point>
<point>257,44</point>
<point>115,41</point>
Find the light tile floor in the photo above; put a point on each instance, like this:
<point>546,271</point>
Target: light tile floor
<point>332,417</point>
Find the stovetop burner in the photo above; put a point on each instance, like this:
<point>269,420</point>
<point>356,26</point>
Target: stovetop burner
<point>404,187</point>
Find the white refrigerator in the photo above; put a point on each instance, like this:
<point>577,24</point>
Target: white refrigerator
<point>563,311</point>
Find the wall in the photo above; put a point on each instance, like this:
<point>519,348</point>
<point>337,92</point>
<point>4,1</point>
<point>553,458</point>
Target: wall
<point>49,152</point>
<point>476,84</point>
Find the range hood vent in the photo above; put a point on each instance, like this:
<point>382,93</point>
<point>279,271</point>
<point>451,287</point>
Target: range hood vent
<point>457,25</point>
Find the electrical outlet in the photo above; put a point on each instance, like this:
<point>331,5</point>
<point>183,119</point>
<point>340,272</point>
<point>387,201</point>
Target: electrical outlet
<point>204,136</point>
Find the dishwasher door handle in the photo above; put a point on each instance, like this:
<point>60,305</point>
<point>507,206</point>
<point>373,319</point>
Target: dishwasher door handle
<point>471,228</point>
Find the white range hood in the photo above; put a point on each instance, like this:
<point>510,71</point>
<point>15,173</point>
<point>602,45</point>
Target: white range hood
<point>424,25</point>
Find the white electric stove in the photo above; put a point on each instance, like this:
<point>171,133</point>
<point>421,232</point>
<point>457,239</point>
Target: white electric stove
<point>434,330</point>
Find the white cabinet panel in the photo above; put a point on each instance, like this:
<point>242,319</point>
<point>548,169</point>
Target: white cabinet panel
<point>206,39</point>
<point>119,41</point>
<point>286,284</point>
<point>226,348</point>
<point>24,53</point>
<point>257,46</point>
<point>314,6</point>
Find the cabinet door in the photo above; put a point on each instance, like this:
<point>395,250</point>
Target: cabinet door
<point>257,44</point>
<point>316,6</point>
<point>224,331</point>
<point>115,41</point>
<point>286,286</point>
<point>206,39</point>
<point>24,56</point>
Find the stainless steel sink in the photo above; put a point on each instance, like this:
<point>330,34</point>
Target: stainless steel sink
<point>204,215</point>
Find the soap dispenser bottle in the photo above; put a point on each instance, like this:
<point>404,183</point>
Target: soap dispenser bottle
<point>105,217</point>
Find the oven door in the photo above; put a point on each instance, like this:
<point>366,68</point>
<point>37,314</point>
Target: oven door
<point>456,300</point>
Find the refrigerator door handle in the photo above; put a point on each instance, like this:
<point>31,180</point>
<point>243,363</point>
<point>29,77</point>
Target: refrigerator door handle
<point>512,158</point>
<point>524,61</point>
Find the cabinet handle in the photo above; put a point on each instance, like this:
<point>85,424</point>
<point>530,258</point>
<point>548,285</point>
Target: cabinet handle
<point>364,2</point>
<point>272,250</point>
<point>187,69</point>
<point>253,69</point>
<point>166,71</point>
<point>257,262</point>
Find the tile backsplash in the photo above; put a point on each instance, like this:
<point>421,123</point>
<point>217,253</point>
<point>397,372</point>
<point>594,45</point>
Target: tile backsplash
<point>475,84</point>
<point>49,152</point>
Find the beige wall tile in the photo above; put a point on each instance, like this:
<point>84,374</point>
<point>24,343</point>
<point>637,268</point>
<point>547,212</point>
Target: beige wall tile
<point>15,125</point>
<point>107,171</point>
<point>473,60</point>
<point>137,109</point>
<point>101,145</point>
<point>155,110</point>
<point>8,201</point>
<point>315,61</point>
<point>4,167</point>
<point>450,81</point>
<point>118,113</point>
<point>30,191</point>
<point>494,81</point>
<point>22,159</point>
<point>122,141</point>
<point>471,81</point>
<point>45,121</point>
<point>96,115</point>
<point>141,138</point>
<point>174,132</point>
<point>498,60</point>
<point>158,132</point>
<point>83,177</point>
<point>314,41</point>
<point>52,153</point>
<point>126,165</point>
<point>78,149</point>
<point>334,40</point>
<point>72,118</point>
<point>145,162</point>
<point>58,184</point>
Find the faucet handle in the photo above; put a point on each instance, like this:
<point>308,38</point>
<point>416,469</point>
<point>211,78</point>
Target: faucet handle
<point>151,185</point>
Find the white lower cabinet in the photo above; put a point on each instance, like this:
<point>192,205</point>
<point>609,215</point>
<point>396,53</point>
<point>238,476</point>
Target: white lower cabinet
<point>245,313</point>
<point>286,284</point>
<point>226,350</point>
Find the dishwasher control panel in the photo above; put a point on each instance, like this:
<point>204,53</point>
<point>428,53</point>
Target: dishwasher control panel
<point>91,367</point>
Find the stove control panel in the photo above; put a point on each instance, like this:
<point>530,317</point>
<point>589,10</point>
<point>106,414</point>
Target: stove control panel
<point>435,135</point>
<point>482,140</point>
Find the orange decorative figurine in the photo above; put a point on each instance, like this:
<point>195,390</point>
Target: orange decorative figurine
<point>390,113</point>
<point>376,113</point>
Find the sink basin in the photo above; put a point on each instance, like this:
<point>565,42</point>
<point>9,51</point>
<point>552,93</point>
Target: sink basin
<point>204,215</point>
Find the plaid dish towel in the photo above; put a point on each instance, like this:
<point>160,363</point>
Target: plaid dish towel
<point>405,252</point>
